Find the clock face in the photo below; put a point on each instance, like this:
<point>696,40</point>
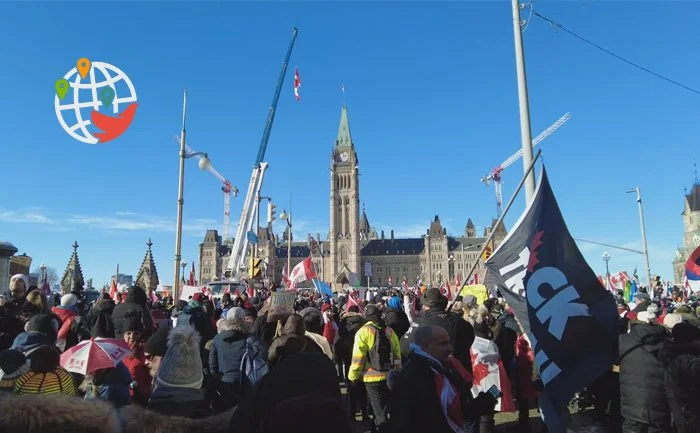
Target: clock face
<point>344,156</point>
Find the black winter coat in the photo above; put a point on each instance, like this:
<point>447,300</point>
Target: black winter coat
<point>133,310</point>
<point>397,320</point>
<point>100,319</point>
<point>460,331</point>
<point>682,380</point>
<point>350,323</point>
<point>185,402</point>
<point>415,404</point>
<point>642,392</point>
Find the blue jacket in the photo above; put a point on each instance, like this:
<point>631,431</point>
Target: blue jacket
<point>226,354</point>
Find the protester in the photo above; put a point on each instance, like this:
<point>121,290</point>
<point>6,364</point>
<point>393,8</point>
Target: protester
<point>133,309</point>
<point>136,363</point>
<point>376,352</point>
<point>100,318</point>
<point>155,349</point>
<point>109,384</point>
<point>433,391</point>
<point>292,340</point>
<point>13,364</point>
<point>44,375</point>
<point>395,317</point>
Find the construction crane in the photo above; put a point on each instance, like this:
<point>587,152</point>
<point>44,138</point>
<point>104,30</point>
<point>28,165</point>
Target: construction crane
<point>495,174</point>
<point>226,187</point>
<point>246,231</point>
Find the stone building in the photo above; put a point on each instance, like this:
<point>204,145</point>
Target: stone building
<point>353,245</point>
<point>72,279</point>
<point>147,277</point>
<point>691,229</point>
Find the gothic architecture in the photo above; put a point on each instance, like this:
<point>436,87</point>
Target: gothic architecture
<point>147,277</point>
<point>353,249</point>
<point>691,228</point>
<point>73,275</point>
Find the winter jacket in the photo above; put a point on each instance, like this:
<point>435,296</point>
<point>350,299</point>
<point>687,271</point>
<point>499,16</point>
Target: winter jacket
<point>459,330</point>
<point>113,387</point>
<point>682,384</point>
<point>133,309</point>
<point>136,363</point>
<point>350,323</point>
<point>185,402</point>
<point>415,404</point>
<point>642,392</point>
<point>100,319</point>
<point>505,337</point>
<point>263,330</point>
<point>72,329</point>
<point>226,354</point>
<point>364,342</point>
<point>293,340</point>
<point>397,320</point>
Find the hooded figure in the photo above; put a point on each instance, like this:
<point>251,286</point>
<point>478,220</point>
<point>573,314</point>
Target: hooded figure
<point>134,308</point>
<point>293,340</point>
<point>395,317</point>
<point>100,318</point>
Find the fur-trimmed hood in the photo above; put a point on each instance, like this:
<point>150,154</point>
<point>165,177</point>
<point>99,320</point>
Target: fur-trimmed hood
<point>29,414</point>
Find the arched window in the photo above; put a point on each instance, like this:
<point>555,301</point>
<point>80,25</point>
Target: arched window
<point>344,253</point>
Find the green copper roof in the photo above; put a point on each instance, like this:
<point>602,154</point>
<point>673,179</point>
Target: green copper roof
<point>344,138</point>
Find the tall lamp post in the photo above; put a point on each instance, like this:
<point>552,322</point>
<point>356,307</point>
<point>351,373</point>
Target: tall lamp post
<point>644,238</point>
<point>606,259</point>
<point>204,164</point>
<point>288,218</point>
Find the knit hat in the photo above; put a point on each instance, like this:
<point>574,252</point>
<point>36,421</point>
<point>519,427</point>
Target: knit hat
<point>45,376</point>
<point>28,342</point>
<point>181,366</point>
<point>158,343</point>
<point>653,309</point>
<point>21,277</point>
<point>235,313</point>
<point>325,307</point>
<point>12,365</point>
<point>432,298</point>
<point>198,297</point>
<point>672,320</point>
<point>395,303</point>
<point>69,300</point>
<point>45,324</point>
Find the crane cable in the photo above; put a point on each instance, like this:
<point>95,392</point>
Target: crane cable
<point>629,62</point>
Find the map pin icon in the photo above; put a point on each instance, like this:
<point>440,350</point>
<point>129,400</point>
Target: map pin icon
<point>62,87</point>
<point>83,67</point>
<point>107,96</point>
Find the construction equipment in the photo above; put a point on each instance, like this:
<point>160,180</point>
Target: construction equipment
<point>236,264</point>
<point>495,174</point>
<point>226,186</point>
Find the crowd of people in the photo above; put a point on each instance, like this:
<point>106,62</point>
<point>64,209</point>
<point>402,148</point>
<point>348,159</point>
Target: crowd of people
<point>400,360</point>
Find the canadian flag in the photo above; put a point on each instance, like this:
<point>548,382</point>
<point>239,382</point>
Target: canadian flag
<point>297,84</point>
<point>352,300</point>
<point>113,291</point>
<point>448,292</point>
<point>474,280</point>
<point>302,271</point>
<point>191,281</point>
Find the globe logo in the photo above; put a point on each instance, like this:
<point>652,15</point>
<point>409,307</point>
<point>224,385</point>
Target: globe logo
<point>95,102</point>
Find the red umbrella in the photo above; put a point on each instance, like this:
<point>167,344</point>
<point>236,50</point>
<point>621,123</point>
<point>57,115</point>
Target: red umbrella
<point>95,354</point>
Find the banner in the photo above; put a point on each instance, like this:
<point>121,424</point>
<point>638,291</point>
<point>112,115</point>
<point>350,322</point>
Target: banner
<point>281,306</point>
<point>479,291</point>
<point>570,319</point>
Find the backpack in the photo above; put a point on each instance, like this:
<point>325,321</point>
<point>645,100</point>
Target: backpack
<point>381,354</point>
<point>253,365</point>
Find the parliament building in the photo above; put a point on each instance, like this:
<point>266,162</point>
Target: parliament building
<point>353,248</point>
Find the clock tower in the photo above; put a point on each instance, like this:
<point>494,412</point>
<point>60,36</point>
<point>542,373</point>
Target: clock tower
<point>345,207</point>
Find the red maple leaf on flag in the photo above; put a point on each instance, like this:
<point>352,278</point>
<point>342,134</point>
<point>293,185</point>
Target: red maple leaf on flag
<point>536,242</point>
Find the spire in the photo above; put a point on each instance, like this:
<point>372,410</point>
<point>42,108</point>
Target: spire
<point>470,229</point>
<point>364,224</point>
<point>73,275</point>
<point>470,224</point>
<point>147,277</point>
<point>344,138</point>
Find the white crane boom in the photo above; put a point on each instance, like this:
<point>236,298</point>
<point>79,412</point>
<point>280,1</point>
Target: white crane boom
<point>495,174</point>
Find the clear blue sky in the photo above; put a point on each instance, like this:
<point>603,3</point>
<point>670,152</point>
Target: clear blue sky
<point>432,98</point>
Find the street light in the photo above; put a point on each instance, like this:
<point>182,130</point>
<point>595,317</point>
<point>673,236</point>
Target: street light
<point>288,218</point>
<point>644,238</point>
<point>606,259</point>
<point>204,164</point>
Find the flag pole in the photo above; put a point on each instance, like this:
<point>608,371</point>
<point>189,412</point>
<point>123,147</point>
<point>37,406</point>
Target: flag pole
<point>498,223</point>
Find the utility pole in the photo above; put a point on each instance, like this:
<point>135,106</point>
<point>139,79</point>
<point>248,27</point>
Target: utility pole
<point>180,201</point>
<point>525,131</point>
<point>606,259</point>
<point>644,238</point>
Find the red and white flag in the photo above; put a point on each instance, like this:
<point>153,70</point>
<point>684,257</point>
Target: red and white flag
<point>192,281</point>
<point>448,291</point>
<point>488,371</point>
<point>459,281</point>
<point>302,271</point>
<point>390,281</point>
<point>297,84</point>
<point>404,284</point>
<point>113,290</point>
<point>352,300</point>
<point>474,280</point>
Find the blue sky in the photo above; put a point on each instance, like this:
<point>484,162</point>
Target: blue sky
<point>432,99</point>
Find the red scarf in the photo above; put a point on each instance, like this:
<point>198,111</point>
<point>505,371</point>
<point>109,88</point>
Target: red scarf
<point>449,398</point>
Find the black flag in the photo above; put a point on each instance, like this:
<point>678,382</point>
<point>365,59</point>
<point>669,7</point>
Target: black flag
<point>570,319</point>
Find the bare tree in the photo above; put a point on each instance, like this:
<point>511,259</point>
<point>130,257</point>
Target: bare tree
<point>51,273</point>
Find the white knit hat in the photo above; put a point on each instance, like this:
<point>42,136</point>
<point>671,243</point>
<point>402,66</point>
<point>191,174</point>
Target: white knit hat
<point>235,313</point>
<point>68,300</point>
<point>672,320</point>
<point>181,366</point>
<point>21,277</point>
